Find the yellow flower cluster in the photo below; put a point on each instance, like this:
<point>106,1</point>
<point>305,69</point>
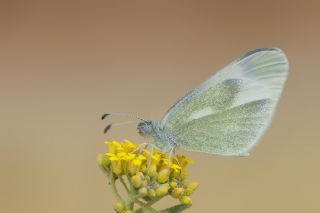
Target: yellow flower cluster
<point>150,176</point>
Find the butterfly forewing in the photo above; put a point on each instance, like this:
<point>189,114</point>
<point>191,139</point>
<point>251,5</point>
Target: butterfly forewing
<point>228,113</point>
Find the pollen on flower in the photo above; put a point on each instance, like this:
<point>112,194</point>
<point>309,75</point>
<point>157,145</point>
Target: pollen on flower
<point>147,175</point>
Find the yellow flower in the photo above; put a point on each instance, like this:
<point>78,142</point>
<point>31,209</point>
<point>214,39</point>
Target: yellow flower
<point>111,156</point>
<point>116,163</point>
<point>129,146</point>
<point>114,146</point>
<point>135,164</point>
<point>183,160</point>
<point>150,174</point>
<point>129,156</point>
<point>175,167</point>
<point>138,161</point>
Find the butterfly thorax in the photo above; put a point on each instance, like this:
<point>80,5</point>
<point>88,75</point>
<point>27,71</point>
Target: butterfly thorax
<point>153,131</point>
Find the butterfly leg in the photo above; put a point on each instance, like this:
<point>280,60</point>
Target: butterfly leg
<point>139,147</point>
<point>172,157</point>
<point>172,153</point>
<point>150,160</point>
<point>152,147</point>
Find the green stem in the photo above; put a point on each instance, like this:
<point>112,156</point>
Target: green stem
<point>147,206</point>
<point>114,188</point>
<point>132,195</point>
<point>124,184</point>
<point>139,202</point>
<point>146,210</point>
<point>175,209</point>
<point>150,203</point>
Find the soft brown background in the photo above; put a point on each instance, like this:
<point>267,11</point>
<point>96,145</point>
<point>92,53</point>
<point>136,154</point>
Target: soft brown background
<point>64,63</point>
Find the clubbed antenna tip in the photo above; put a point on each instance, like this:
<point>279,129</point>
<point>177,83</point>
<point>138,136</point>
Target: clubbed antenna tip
<point>107,128</point>
<point>104,116</point>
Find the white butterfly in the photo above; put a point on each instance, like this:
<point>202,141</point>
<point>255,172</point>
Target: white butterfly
<point>228,113</point>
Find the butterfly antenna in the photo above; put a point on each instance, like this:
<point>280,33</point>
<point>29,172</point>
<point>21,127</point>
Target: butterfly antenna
<point>108,127</point>
<point>116,124</point>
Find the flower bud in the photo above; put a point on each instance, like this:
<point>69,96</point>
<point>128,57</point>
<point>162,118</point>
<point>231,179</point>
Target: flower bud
<point>162,190</point>
<point>173,184</point>
<point>183,174</point>
<point>188,191</point>
<point>143,191</point>
<point>185,200</point>
<point>133,169</point>
<point>100,160</point>
<point>152,170</point>
<point>151,193</point>
<point>147,178</point>
<point>144,183</point>
<point>136,181</point>
<point>177,192</point>
<point>119,206</point>
<point>163,176</point>
<point>193,186</point>
<point>103,163</point>
<point>140,174</point>
<point>116,167</point>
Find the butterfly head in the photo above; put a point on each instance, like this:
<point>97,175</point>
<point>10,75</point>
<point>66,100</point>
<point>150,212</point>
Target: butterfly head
<point>145,128</point>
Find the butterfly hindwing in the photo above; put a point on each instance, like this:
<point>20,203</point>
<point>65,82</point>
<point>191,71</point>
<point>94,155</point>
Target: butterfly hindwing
<point>227,132</point>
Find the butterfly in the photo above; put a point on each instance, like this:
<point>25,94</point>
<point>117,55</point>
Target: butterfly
<point>228,113</point>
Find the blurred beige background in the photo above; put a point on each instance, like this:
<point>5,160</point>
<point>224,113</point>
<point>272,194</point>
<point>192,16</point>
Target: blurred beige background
<point>64,63</point>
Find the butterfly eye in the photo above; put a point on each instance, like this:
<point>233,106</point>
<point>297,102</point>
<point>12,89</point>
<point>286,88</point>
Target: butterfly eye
<point>145,127</point>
